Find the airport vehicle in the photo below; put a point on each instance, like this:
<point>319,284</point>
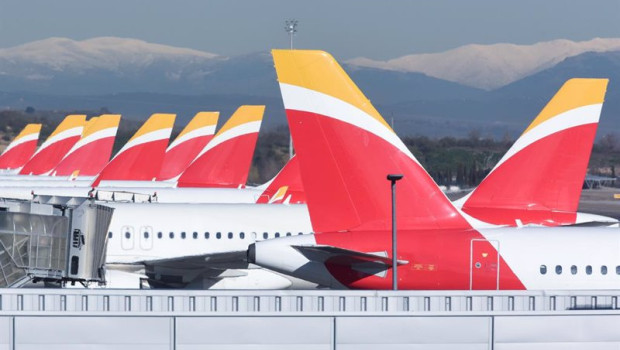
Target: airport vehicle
<point>438,248</point>
<point>50,153</point>
<point>17,153</point>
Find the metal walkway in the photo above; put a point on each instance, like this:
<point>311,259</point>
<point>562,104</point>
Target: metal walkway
<point>180,319</point>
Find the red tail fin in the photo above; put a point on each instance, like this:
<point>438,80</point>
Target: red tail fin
<point>92,152</point>
<point>226,160</point>
<point>545,168</point>
<point>345,178</point>
<point>286,187</point>
<point>21,148</point>
<point>50,153</point>
<point>142,155</point>
<point>185,148</point>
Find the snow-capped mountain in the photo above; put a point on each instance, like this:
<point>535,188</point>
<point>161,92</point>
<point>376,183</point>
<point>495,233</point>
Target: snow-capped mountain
<point>491,66</point>
<point>67,65</point>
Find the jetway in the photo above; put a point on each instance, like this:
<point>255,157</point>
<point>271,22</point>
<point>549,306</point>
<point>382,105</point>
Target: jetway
<point>52,239</point>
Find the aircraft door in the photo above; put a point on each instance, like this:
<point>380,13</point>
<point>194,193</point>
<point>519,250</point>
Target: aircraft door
<point>146,237</point>
<point>127,237</point>
<point>484,264</point>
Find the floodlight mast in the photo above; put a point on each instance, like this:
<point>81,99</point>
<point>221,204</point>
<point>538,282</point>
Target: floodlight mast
<point>291,28</point>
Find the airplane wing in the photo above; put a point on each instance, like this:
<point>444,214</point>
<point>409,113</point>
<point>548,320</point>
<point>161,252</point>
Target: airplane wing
<point>344,257</point>
<point>235,259</point>
<point>181,271</point>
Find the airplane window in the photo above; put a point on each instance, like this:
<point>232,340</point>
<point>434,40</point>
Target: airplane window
<point>277,234</point>
<point>183,235</point>
<point>573,270</point>
<point>300,233</point>
<point>207,235</point>
<point>171,234</point>
<point>603,270</point>
<point>195,235</point>
<point>558,269</point>
<point>109,234</point>
<point>230,235</point>
<point>127,235</point>
<point>543,269</point>
<point>288,233</point>
<point>218,235</point>
<point>241,235</point>
<point>146,234</point>
<point>265,235</point>
<point>588,270</point>
<point>160,234</point>
<point>617,270</point>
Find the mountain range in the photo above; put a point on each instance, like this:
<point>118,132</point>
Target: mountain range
<point>494,90</point>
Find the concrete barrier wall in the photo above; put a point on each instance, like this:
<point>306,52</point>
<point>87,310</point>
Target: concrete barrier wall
<point>307,320</point>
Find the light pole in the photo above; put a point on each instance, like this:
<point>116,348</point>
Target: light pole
<point>393,178</point>
<point>291,28</point>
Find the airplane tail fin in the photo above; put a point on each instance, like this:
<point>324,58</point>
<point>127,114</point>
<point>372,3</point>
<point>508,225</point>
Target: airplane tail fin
<point>17,153</point>
<point>285,187</point>
<point>225,161</point>
<point>194,137</point>
<point>545,168</point>
<point>141,157</point>
<point>346,150</point>
<point>92,152</point>
<point>50,153</point>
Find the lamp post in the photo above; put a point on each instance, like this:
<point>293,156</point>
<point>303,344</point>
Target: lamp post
<point>291,28</point>
<point>393,178</point>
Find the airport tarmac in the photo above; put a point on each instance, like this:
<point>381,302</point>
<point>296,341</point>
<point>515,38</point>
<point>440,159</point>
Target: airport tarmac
<point>600,201</point>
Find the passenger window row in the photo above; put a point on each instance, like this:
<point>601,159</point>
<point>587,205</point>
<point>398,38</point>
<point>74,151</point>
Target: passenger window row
<point>277,234</point>
<point>207,235</point>
<point>575,270</point>
<point>183,235</point>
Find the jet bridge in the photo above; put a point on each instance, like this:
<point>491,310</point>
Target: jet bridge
<point>52,239</point>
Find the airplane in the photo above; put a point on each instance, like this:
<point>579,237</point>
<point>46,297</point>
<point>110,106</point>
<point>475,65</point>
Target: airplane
<point>21,149</point>
<point>346,150</point>
<point>50,153</point>
<point>224,161</point>
<point>540,179</point>
<point>186,146</point>
<point>92,152</point>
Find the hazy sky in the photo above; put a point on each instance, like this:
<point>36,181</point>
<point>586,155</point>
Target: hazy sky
<point>348,28</point>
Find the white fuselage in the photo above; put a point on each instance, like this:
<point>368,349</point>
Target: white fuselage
<point>546,258</point>
<point>218,228</point>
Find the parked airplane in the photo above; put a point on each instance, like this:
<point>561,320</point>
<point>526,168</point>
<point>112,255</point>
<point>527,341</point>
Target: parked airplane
<point>170,244</point>
<point>92,152</point>
<point>50,153</point>
<point>235,140</point>
<point>224,162</point>
<point>350,209</point>
<point>539,180</point>
<point>21,149</point>
<point>185,148</point>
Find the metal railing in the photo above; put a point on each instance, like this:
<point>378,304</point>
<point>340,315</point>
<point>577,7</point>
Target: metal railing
<point>303,303</point>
